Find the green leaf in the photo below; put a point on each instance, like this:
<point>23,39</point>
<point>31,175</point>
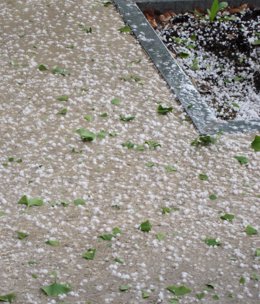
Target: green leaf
<point>183,55</point>
<point>30,202</point>
<point>212,242</point>
<point>53,243</point>
<point>125,29</point>
<point>139,147</point>
<point>8,297</point>
<point>242,281</point>
<point>152,144</point>
<point>257,252</point>
<point>179,290</point>
<point>86,135</point>
<point>101,135</point>
<point>34,276</point>
<point>228,217</point>
<point>56,70</point>
<point>118,260</point>
<point>145,226</point>
<point>103,115</point>
<point>213,10</point>
<point>2,213</point>
<point>203,177</point>
<point>203,140</point>
<point>222,5</point>
<point>256,143</point>
<point>200,295</point>
<point>63,111</point>
<point>88,117</point>
<point>243,160</point>
<point>42,67</point>
<point>150,164</point>
<point>145,294</point>
<point>170,169</point>
<point>160,236</point>
<point>79,201</point>
<point>56,289</point>
<point>174,301</point>
<point>106,236</point>
<point>21,235</point>
<point>163,111</point>
<point>166,210</point>
<point>116,101</point>
<point>89,254</point>
<point>126,118</point>
<point>250,230</point>
<point>63,98</point>
<point>215,297</point>
<point>195,64</point>
<point>256,42</point>
<point>128,145</point>
<point>107,3</point>
<point>86,29</point>
<point>116,231</point>
<point>213,197</point>
<point>123,287</point>
<point>255,277</point>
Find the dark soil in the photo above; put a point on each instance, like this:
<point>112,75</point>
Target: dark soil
<point>232,40</point>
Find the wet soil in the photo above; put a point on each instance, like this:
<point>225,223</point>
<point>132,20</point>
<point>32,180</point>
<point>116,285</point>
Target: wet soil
<point>221,56</point>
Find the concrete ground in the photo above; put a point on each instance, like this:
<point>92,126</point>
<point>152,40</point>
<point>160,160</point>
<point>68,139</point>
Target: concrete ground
<point>42,156</point>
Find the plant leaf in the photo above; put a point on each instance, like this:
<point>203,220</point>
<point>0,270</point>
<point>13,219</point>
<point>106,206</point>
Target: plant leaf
<point>79,201</point>
<point>29,202</point>
<point>213,10</point>
<point>116,101</point>
<point>88,117</point>
<point>160,236</point>
<point>179,290</point>
<point>125,29</point>
<point>169,168</point>
<point>53,243</point>
<point>126,118</point>
<point>42,67</point>
<point>145,294</point>
<point>257,252</point>
<point>21,235</point>
<point>256,143</point>
<point>250,230</point>
<point>56,70</point>
<point>203,140</point>
<point>152,144</point>
<point>116,231</point>
<point>106,236</point>
<point>63,111</point>
<point>227,217</point>
<point>123,287</point>
<point>212,242</point>
<point>163,111</point>
<point>243,160</point>
<point>86,135</point>
<point>203,177</point>
<point>63,98</point>
<point>213,197</point>
<point>56,289</point>
<point>145,226</point>
<point>89,254</point>
<point>10,297</point>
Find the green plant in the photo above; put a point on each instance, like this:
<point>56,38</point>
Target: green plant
<point>215,8</point>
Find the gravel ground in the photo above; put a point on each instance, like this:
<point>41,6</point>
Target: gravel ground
<point>42,156</point>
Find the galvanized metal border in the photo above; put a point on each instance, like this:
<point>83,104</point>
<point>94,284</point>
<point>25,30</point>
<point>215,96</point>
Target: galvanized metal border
<point>180,84</point>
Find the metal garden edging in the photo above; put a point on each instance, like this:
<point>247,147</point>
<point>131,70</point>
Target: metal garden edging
<point>180,84</point>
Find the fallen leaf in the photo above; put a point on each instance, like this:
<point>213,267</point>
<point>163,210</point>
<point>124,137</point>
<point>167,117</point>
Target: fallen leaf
<point>179,290</point>
<point>56,289</point>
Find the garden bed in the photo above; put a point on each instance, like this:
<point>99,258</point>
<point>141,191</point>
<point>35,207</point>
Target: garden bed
<point>219,50</point>
<point>208,117</point>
